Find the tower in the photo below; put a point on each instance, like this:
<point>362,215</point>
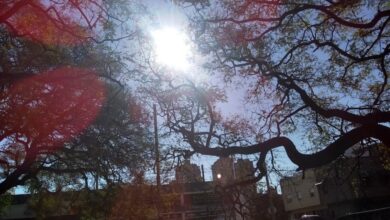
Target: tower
<point>223,171</point>
<point>188,173</point>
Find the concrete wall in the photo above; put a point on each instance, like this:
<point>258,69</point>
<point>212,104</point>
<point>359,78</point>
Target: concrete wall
<point>223,170</point>
<point>299,193</point>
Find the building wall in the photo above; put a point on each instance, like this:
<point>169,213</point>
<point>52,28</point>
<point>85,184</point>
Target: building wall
<point>348,185</point>
<point>198,201</point>
<point>18,211</point>
<point>226,171</point>
<point>243,169</point>
<point>188,173</point>
<point>299,193</point>
<point>355,184</point>
<point>222,170</point>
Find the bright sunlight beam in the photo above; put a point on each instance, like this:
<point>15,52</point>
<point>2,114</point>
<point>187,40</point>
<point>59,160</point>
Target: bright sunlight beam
<point>172,48</point>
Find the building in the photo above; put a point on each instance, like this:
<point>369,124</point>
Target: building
<point>197,200</point>
<point>350,184</point>
<point>202,200</point>
<point>180,201</point>
<point>261,204</point>
<point>188,173</point>
<point>227,171</point>
<point>223,170</point>
<point>301,195</point>
<point>187,198</point>
<point>243,169</point>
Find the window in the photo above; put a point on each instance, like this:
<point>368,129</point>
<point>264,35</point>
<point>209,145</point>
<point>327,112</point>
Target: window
<point>299,196</point>
<point>312,194</point>
<point>289,198</point>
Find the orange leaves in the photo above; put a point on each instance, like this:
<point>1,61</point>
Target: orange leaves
<point>242,21</point>
<point>256,9</point>
<point>58,104</point>
<point>272,8</point>
<point>237,125</point>
<point>63,22</point>
<point>66,23</point>
<point>38,26</point>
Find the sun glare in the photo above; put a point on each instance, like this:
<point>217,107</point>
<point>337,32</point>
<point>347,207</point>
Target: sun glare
<point>172,48</point>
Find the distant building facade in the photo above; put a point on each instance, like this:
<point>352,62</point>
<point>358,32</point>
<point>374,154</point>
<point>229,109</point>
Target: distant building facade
<point>301,195</point>
<point>187,198</point>
<point>223,170</point>
<point>243,169</point>
<point>197,200</point>
<point>348,185</point>
<point>188,173</point>
<point>227,171</point>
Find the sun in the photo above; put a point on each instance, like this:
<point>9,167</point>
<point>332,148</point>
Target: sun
<point>172,48</point>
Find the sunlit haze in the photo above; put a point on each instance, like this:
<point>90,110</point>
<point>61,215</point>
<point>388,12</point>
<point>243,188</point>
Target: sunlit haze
<point>172,48</point>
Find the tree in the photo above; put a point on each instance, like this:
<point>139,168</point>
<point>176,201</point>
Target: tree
<point>318,67</point>
<point>62,122</point>
<point>35,35</point>
<point>65,22</point>
<point>56,76</point>
<point>86,177</point>
<point>39,114</point>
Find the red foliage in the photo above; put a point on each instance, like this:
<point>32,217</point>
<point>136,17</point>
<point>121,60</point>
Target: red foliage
<point>51,108</point>
<point>245,20</point>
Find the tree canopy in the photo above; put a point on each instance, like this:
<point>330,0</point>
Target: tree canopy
<point>318,67</point>
<point>66,121</point>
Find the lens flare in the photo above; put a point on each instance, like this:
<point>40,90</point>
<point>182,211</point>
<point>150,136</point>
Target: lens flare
<point>172,48</point>
<point>53,107</point>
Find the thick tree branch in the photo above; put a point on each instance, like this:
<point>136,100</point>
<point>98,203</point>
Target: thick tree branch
<point>16,177</point>
<point>9,13</point>
<point>304,161</point>
<point>304,7</point>
<point>370,118</point>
